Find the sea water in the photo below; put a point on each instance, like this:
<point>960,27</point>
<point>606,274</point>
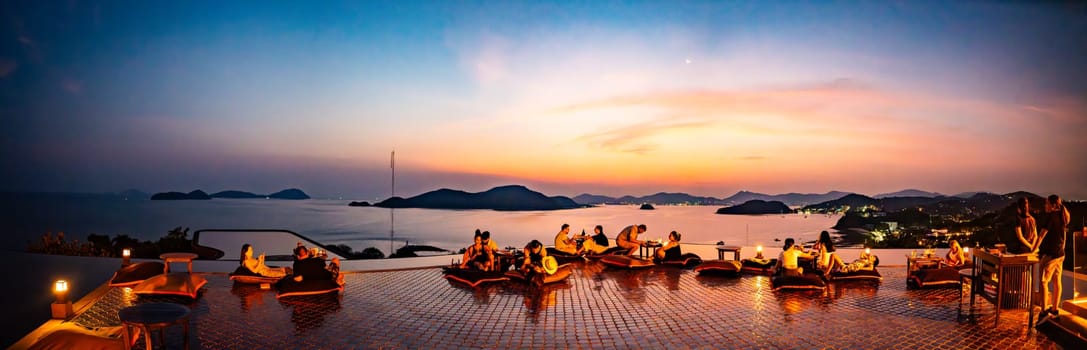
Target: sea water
<point>333,222</point>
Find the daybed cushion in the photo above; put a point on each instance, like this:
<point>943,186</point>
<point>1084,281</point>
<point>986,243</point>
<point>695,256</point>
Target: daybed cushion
<point>560,275</point>
<point>626,262</point>
<point>133,274</point>
<point>245,275</point>
<point>807,281</point>
<point>944,276</point>
<point>563,257</point>
<point>758,266</point>
<point>606,252</point>
<point>859,275</point>
<point>474,277</point>
<point>178,283</point>
<point>685,260</point>
<point>719,267</point>
<point>70,336</point>
<point>287,287</point>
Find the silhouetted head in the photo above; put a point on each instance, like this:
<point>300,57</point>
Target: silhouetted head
<point>598,229</point>
<point>788,244</point>
<point>534,246</point>
<point>1053,202</point>
<point>300,252</point>
<point>673,236</point>
<point>565,226</point>
<point>641,228</point>
<point>246,253</point>
<point>485,236</point>
<point>1022,207</point>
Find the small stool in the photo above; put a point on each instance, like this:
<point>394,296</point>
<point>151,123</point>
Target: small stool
<point>168,258</point>
<point>155,316</point>
<point>643,250</point>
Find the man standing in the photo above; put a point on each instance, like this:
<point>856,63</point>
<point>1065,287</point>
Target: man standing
<point>1051,251</point>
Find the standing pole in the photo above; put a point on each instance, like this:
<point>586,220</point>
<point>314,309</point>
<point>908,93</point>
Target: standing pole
<point>392,193</point>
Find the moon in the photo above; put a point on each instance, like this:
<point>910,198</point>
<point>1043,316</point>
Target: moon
<point>688,61</point>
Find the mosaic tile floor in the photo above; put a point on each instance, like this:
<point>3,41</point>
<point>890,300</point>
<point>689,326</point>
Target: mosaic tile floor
<point>597,308</point>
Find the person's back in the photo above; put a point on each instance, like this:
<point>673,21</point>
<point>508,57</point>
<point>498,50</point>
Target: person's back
<point>312,268</point>
<point>1053,242</point>
<point>601,239</point>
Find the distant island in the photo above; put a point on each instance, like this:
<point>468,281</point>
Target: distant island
<point>173,196</point>
<point>646,206</point>
<point>513,198</point>
<point>291,193</point>
<point>756,207</point>
<point>359,204</point>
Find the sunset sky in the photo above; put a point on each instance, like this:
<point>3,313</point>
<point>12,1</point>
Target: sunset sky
<point>601,97</point>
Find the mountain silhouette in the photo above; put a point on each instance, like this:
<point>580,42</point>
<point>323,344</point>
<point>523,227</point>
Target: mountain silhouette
<point>513,197</point>
<point>756,206</point>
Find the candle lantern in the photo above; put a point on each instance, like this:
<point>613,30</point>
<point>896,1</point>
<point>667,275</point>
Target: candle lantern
<point>126,256</point>
<point>758,252</point>
<point>62,308</point>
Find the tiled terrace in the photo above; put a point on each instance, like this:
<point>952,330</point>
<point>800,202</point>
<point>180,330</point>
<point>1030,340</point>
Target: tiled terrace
<point>597,308</point>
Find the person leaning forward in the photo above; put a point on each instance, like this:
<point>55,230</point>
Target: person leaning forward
<point>628,238</point>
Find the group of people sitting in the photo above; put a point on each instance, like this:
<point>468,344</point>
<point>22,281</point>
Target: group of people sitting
<point>309,264</point>
<point>823,258</point>
<point>482,254</point>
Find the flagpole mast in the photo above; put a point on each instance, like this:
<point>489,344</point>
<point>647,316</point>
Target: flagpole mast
<point>392,193</point>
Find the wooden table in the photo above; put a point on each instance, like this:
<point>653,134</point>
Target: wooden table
<point>721,249</point>
<point>168,258</point>
<point>155,316</point>
<point>1003,273</point>
<point>643,250</point>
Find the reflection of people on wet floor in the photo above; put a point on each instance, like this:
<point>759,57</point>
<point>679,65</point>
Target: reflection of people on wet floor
<point>310,314</point>
<point>565,244</point>
<point>534,254</point>
<point>670,250</point>
<point>249,295</point>
<point>826,259</point>
<point>628,238</point>
<point>308,267</point>
<point>477,256</point>
<point>257,265</point>
<point>787,264</point>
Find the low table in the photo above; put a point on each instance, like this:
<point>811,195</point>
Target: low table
<point>721,249</point>
<point>155,316</point>
<point>168,258</point>
<point>643,250</point>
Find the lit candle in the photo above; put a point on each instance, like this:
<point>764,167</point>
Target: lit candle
<point>867,251</point>
<point>60,288</point>
<point>758,249</point>
<point>126,253</point>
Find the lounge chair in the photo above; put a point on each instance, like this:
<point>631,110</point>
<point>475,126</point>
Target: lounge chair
<point>177,283</point>
<point>133,274</point>
<point>719,267</point>
<point>564,257</point>
<point>626,262</point>
<point>807,281</point>
<point>69,336</point>
<point>247,276</point>
<point>687,260</point>
<point>606,252</point>
<point>759,266</point>
<point>288,287</point>
<point>472,277</point>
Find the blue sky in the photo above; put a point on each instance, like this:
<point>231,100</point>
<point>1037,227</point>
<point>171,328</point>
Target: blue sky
<point>566,97</point>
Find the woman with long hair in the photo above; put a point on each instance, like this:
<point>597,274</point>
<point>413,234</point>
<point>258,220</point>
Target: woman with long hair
<point>1026,229</point>
<point>257,265</point>
<point>826,260</point>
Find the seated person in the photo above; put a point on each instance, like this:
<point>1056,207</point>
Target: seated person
<point>534,254</point>
<point>565,244</point>
<point>310,267</point>
<point>787,263</point>
<point>628,238</point>
<point>489,244</point>
<point>955,256</point>
<point>599,238</point>
<point>864,262</point>
<point>826,259</point>
<point>670,250</point>
<point>476,256</point>
<point>257,265</point>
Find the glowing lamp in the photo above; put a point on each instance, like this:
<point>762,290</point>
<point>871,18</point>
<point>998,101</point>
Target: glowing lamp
<point>126,255</point>
<point>758,252</point>
<point>867,251</point>
<point>62,308</point>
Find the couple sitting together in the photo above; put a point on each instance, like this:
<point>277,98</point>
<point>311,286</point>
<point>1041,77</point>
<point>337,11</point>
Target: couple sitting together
<point>824,256</point>
<point>308,265</point>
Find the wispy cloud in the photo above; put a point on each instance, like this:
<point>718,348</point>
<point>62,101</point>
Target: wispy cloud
<point>637,138</point>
